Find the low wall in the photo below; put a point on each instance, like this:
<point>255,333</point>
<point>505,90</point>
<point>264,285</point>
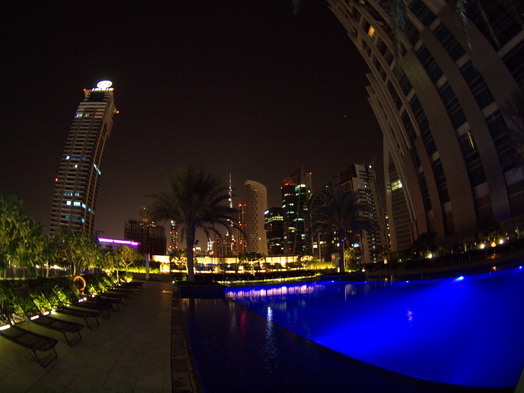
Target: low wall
<point>153,277</point>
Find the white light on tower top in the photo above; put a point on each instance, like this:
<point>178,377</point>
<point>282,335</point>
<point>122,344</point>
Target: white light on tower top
<point>104,85</point>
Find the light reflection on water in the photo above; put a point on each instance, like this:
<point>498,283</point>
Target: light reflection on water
<point>466,331</point>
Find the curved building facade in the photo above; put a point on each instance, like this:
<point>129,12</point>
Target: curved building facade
<point>450,157</point>
<point>256,205</point>
<point>76,185</point>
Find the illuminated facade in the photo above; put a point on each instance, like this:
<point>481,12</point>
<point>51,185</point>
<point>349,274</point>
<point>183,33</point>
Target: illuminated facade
<point>241,245</point>
<point>274,226</point>
<point>362,180</point>
<point>256,205</point>
<point>173,237</point>
<point>450,161</point>
<point>296,193</point>
<point>117,243</point>
<point>76,185</point>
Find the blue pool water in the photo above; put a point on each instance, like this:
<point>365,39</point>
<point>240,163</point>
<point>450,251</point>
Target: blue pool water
<point>465,330</point>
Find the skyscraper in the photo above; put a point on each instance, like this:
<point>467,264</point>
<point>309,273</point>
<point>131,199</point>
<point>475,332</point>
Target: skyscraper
<point>296,193</point>
<point>441,98</point>
<point>274,226</point>
<point>256,205</point>
<point>362,180</point>
<point>174,243</point>
<point>76,185</point>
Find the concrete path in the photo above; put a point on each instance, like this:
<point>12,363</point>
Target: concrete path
<point>129,352</point>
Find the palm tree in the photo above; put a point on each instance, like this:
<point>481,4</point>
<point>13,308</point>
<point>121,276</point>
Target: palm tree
<point>195,200</point>
<point>335,211</point>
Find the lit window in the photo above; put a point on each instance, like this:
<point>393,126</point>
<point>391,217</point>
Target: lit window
<point>396,185</point>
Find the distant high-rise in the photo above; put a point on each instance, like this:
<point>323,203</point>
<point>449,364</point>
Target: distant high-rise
<point>76,185</point>
<point>274,226</point>
<point>362,180</point>
<point>152,237</point>
<point>256,205</point>
<point>173,237</point>
<point>296,193</point>
<point>445,103</point>
<point>241,245</point>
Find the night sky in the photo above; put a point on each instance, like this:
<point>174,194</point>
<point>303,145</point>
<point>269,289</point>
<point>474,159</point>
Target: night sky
<point>245,87</point>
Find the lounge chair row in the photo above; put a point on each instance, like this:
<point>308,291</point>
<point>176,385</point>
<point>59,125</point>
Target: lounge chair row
<point>40,303</point>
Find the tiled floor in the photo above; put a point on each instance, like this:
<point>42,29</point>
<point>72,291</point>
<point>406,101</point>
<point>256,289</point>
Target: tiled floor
<point>129,352</point>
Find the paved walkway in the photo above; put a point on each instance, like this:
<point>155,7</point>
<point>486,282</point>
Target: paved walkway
<point>129,352</point>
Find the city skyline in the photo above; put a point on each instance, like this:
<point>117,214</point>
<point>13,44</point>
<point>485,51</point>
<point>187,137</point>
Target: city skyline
<point>252,91</point>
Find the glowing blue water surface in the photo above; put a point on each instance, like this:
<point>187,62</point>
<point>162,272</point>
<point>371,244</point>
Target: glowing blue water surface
<point>464,330</point>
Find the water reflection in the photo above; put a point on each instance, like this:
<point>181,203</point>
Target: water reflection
<point>270,349</point>
<point>435,329</point>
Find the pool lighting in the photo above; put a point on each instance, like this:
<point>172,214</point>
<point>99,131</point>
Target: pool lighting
<point>459,278</point>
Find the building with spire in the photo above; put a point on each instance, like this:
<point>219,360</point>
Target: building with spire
<point>76,185</point>
<point>444,95</point>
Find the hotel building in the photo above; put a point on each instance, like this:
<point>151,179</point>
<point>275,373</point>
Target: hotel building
<point>441,95</point>
<point>76,185</point>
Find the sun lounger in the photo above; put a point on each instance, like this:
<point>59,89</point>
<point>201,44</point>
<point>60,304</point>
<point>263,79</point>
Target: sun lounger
<point>61,308</point>
<point>37,343</point>
<point>90,303</point>
<point>70,330</point>
<point>95,287</point>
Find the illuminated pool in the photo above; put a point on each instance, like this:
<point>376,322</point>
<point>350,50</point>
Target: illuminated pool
<point>464,330</point>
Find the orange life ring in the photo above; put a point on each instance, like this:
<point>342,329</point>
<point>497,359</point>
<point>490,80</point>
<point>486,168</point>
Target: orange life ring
<point>83,280</point>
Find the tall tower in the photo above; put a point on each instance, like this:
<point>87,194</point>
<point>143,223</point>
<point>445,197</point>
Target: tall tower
<point>274,226</point>
<point>296,193</point>
<point>362,180</point>
<point>76,185</point>
<point>441,98</point>
<point>256,205</point>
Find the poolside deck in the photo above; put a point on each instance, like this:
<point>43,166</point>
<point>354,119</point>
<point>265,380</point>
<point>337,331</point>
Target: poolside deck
<point>142,348</point>
<point>129,352</point>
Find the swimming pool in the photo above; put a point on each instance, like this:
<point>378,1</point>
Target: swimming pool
<point>464,330</point>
